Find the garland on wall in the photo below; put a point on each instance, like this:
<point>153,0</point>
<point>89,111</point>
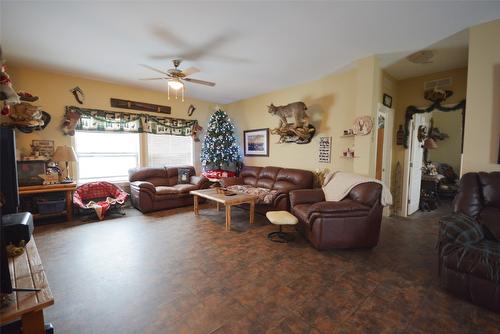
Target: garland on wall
<point>84,119</point>
<point>412,110</point>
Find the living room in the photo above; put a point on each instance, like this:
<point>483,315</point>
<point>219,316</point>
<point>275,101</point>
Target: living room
<point>182,169</point>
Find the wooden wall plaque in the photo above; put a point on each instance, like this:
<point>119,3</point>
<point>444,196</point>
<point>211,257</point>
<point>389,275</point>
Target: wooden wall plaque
<point>126,104</point>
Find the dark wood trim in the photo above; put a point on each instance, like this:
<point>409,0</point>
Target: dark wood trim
<point>245,143</point>
<point>126,104</point>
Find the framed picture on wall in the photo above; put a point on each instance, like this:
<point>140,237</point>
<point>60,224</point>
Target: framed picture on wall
<point>256,142</point>
<point>45,148</point>
<point>387,100</point>
<point>325,149</point>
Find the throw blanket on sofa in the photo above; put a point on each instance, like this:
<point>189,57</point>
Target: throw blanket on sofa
<point>337,186</point>
<point>265,196</point>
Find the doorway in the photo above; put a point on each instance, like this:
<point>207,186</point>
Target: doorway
<point>435,164</point>
<point>385,124</point>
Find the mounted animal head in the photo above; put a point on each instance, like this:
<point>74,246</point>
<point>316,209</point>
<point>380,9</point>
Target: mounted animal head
<point>272,109</point>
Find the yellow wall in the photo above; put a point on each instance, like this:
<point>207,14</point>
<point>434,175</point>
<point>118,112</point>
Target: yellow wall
<point>482,120</point>
<point>368,93</point>
<point>333,103</point>
<point>54,92</point>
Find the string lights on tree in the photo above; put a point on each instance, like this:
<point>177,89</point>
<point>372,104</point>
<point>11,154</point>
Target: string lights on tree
<point>219,147</point>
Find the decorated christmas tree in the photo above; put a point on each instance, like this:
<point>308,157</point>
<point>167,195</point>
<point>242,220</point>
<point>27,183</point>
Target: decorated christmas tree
<point>219,149</point>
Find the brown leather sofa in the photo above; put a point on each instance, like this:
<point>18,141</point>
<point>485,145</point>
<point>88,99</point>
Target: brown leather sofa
<point>469,241</point>
<point>155,189</point>
<point>353,222</point>
<point>282,180</point>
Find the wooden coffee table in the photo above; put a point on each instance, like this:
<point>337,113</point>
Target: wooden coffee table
<point>227,201</point>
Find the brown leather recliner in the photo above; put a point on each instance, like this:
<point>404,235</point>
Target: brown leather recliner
<point>353,222</point>
<point>469,241</point>
<point>274,178</point>
<point>155,189</point>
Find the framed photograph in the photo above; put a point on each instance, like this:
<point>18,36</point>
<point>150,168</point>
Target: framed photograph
<point>256,142</point>
<point>45,148</point>
<point>387,101</point>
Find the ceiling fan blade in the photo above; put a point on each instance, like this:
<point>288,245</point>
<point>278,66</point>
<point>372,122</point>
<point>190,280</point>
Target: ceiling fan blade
<point>201,82</point>
<point>169,37</point>
<point>168,56</point>
<point>153,69</point>
<point>190,70</point>
<point>153,78</point>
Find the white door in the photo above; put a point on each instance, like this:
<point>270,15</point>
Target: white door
<point>383,161</point>
<point>416,159</point>
<point>385,120</point>
<point>387,161</point>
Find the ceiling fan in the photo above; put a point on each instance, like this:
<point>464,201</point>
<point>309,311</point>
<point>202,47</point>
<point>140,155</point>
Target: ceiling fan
<point>176,77</point>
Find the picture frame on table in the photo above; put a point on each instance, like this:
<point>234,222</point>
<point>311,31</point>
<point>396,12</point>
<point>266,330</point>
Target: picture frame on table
<point>256,142</point>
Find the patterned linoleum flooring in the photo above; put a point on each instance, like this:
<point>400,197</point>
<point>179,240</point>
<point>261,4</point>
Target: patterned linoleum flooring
<point>169,272</point>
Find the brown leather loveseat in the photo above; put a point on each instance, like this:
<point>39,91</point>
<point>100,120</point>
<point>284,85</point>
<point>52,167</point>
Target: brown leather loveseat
<point>155,189</point>
<point>279,181</point>
<point>353,222</point>
<point>469,241</point>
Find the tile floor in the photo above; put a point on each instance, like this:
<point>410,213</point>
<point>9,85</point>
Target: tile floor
<point>172,272</point>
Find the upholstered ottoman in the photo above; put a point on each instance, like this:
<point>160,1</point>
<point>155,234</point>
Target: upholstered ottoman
<point>281,218</point>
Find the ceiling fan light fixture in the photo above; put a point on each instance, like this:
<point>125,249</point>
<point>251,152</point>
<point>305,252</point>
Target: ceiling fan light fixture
<point>175,84</point>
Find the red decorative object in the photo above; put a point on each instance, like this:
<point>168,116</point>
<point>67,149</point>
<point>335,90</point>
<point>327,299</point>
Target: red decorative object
<point>25,96</point>
<point>6,110</point>
<point>217,174</point>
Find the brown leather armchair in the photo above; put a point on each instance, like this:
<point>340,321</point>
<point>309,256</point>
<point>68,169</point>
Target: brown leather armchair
<point>353,222</point>
<point>469,241</point>
<point>155,189</point>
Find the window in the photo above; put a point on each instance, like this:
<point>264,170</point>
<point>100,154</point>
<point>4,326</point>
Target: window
<point>106,155</point>
<point>167,150</point>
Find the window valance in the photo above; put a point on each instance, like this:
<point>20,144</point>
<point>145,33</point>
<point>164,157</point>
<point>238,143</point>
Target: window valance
<point>102,120</point>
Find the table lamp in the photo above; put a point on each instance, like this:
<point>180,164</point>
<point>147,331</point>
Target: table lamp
<point>66,154</point>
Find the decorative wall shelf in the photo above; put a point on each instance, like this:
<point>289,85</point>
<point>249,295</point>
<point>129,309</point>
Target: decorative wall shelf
<point>346,157</point>
<point>347,136</point>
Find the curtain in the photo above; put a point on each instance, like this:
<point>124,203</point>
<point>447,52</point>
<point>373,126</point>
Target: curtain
<point>101,120</point>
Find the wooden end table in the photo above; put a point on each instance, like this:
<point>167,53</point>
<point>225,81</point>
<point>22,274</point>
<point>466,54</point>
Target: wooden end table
<point>227,201</point>
<point>26,271</point>
<point>68,188</point>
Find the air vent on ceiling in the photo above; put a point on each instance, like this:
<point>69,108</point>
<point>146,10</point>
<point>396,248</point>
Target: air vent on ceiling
<point>438,84</point>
